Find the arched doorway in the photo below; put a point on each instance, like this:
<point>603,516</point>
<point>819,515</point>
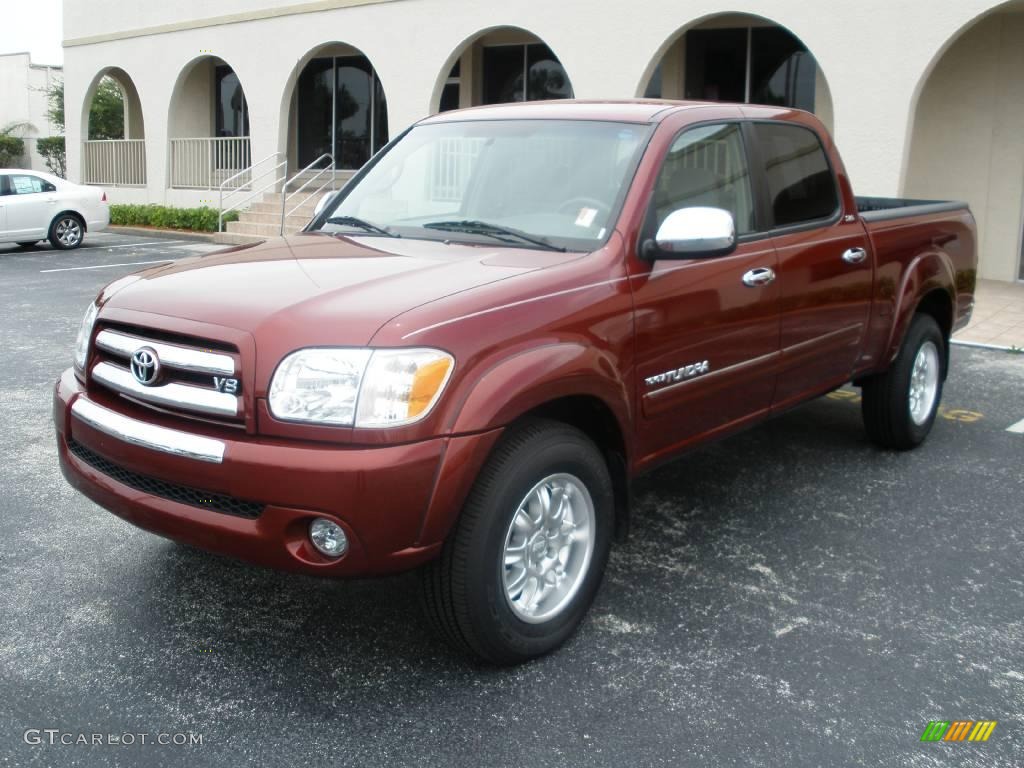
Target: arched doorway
<point>337,108</point>
<point>207,125</point>
<point>504,64</point>
<point>965,143</point>
<point>739,58</point>
<point>114,149</point>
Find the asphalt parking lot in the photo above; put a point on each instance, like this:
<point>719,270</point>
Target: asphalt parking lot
<point>790,597</point>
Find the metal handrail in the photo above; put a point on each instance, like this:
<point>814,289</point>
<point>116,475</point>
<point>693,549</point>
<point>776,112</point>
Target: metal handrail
<point>281,166</point>
<point>285,197</point>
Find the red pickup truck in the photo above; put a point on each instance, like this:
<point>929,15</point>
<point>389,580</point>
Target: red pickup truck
<point>503,318</point>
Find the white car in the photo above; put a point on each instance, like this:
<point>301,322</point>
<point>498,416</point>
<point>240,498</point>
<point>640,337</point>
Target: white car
<point>38,206</point>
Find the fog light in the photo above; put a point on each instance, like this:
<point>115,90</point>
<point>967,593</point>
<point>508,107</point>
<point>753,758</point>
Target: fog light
<point>328,537</point>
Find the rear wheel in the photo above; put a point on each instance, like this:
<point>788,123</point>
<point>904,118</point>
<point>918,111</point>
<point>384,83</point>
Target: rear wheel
<point>900,405</point>
<point>519,571</point>
<point>66,232</point>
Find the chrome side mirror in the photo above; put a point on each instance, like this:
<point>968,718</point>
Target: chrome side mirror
<point>693,233</point>
<point>322,203</point>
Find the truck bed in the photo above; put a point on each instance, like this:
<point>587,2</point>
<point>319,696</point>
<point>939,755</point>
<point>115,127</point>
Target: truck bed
<point>885,208</point>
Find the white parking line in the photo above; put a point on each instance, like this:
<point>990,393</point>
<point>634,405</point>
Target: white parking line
<point>1017,428</point>
<point>135,245</point>
<point>104,266</point>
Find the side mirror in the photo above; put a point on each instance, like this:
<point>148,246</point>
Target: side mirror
<point>322,203</point>
<point>693,233</point>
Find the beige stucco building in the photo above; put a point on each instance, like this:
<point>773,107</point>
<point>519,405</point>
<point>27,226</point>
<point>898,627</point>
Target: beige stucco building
<point>23,99</point>
<point>926,98</point>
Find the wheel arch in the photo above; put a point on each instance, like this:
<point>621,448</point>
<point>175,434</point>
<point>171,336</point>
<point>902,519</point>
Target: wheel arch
<point>928,287</point>
<point>72,212</point>
<point>569,382</point>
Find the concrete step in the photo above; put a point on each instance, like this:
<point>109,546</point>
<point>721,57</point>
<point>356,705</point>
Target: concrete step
<point>235,238</point>
<point>272,206</point>
<point>260,230</point>
<point>295,221</point>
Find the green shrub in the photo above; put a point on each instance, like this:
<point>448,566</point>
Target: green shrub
<point>52,151</point>
<point>165,217</point>
<point>11,150</point>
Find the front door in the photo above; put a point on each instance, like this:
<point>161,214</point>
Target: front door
<point>706,341</point>
<point>30,206</point>
<point>825,271</point>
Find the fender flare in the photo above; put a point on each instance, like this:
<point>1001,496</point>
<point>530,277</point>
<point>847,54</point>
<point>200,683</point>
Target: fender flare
<point>925,273</point>
<point>519,383</point>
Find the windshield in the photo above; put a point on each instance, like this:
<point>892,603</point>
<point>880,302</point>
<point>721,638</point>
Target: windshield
<point>529,183</point>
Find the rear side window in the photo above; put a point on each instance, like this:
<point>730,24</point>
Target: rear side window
<point>27,185</point>
<point>801,185</point>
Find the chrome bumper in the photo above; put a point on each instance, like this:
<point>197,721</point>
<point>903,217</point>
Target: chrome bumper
<point>148,435</point>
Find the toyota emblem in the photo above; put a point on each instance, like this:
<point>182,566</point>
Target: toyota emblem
<point>145,366</point>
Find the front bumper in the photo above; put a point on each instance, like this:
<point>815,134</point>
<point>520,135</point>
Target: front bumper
<point>396,503</point>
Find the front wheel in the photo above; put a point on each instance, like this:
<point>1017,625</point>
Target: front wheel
<point>900,405</point>
<point>522,566</point>
<point>66,232</point>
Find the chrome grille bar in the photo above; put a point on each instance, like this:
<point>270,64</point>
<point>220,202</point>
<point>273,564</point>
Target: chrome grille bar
<point>173,395</point>
<point>148,435</point>
<point>171,355</point>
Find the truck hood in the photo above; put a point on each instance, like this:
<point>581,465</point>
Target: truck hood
<point>337,289</point>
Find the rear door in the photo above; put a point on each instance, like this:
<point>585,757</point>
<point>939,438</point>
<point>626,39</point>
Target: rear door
<point>30,206</point>
<point>706,341</point>
<point>825,273</point>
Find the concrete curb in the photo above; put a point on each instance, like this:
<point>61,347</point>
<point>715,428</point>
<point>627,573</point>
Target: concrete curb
<point>170,234</point>
<point>979,345</point>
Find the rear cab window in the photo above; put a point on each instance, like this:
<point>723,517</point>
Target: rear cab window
<point>801,185</point>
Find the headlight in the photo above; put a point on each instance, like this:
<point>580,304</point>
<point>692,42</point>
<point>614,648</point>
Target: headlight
<point>84,334</point>
<point>318,385</point>
<point>402,385</point>
<point>359,387</point>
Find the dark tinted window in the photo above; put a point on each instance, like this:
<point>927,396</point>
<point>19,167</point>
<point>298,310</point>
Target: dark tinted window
<point>508,68</point>
<point>801,185</point>
<point>707,166</point>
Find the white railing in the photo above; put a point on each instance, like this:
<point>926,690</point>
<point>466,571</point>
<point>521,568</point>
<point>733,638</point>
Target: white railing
<point>453,162</point>
<point>115,162</point>
<point>313,186</point>
<point>206,163</point>
<point>262,176</point>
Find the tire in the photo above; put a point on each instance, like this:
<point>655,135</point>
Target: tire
<point>900,405</point>
<point>28,245</point>
<point>66,232</point>
<point>476,593</point>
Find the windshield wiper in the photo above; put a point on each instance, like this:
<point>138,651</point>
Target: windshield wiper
<point>366,226</point>
<point>492,230</point>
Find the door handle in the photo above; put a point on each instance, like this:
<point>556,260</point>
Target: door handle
<point>855,256</point>
<point>759,276</point>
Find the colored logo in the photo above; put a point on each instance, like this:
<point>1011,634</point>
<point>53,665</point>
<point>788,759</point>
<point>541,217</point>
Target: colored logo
<point>958,730</point>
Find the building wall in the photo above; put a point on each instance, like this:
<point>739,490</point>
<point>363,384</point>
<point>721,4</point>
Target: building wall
<point>874,56</point>
<point>23,89</point>
<point>968,137</point>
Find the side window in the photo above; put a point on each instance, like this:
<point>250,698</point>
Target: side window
<point>4,187</point>
<point>801,185</point>
<point>28,185</point>
<point>707,166</point>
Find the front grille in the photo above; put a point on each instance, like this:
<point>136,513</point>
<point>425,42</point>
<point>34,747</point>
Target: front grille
<point>194,378</point>
<point>183,494</point>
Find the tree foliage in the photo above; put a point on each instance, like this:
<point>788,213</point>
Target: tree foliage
<point>106,114</point>
<point>52,151</point>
